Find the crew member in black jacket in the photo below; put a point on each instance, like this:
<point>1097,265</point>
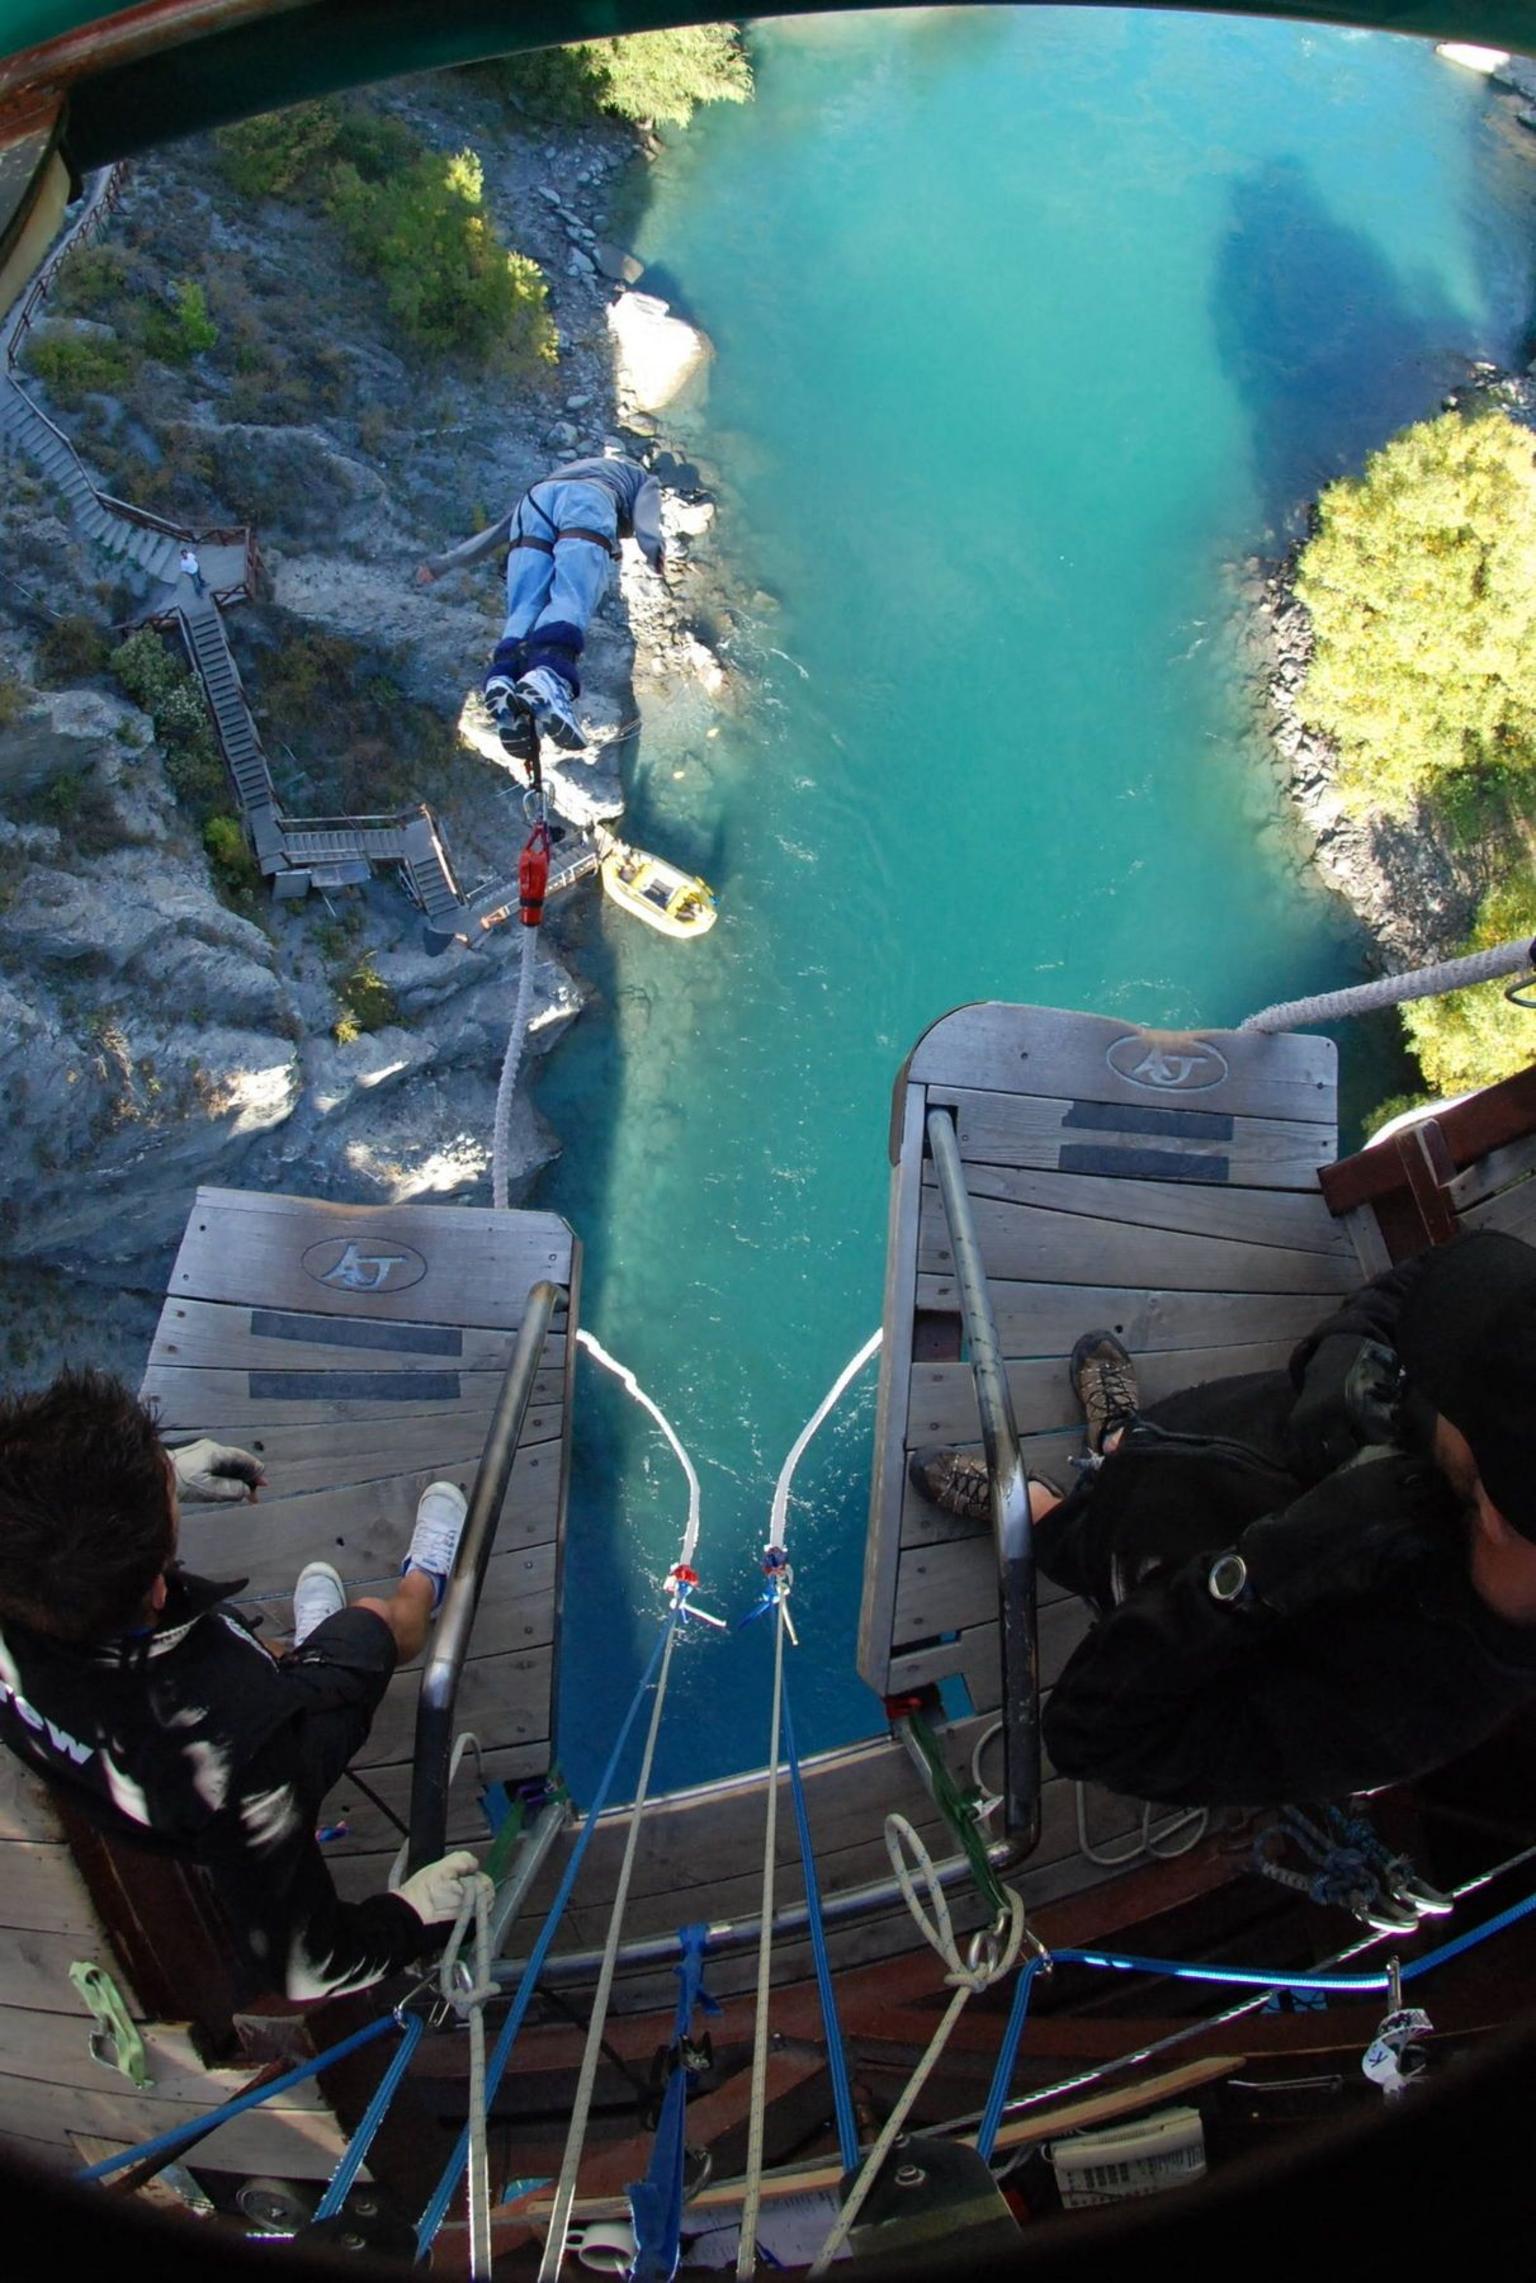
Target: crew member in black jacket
<point>136,1691</point>
<point>1308,1583</point>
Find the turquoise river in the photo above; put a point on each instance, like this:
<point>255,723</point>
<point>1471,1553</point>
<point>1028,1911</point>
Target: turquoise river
<point>1030,325</point>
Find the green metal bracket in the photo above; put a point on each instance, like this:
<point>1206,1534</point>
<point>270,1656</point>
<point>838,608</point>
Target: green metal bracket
<point>115,2041</point>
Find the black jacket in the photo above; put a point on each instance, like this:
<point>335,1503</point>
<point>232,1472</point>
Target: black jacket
<point>1365,1660</point>
<point>187,1740</point>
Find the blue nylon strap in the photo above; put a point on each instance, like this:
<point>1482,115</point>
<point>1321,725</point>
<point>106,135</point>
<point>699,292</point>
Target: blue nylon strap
<point>837,2059</point>
<point>1007,2055</point>
<point>165,2141</point>
<point>442,2195</point>
<point>656,2202</point>
<point>373,2116</point>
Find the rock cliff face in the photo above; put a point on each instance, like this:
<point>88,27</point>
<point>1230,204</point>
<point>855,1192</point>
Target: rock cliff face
<point>158,1026</point>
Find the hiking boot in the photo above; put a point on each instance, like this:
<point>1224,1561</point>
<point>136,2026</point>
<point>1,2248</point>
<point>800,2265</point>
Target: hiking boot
<point>319,1594</point>
<point>957,1481</point>
<point>548,699</point>
<point>440,1516</point>
<point>1104,1382</point>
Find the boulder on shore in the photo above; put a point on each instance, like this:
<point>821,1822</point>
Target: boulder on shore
<point>658,355</point>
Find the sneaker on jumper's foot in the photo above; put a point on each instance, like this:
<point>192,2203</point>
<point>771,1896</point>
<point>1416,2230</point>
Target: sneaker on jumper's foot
<point>440,1513</point>
<point>548,699</point>
<point>1104,1382</point>
<point>319,1594</point>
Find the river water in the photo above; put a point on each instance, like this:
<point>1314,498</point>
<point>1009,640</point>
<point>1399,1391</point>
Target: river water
<point>1030,323</point>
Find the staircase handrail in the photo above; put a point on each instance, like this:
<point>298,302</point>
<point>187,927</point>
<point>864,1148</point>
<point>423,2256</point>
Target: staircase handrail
<point>1011,1524</point>
<point>461,1599</point>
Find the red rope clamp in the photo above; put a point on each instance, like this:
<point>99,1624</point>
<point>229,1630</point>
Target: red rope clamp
<point>533,876</point>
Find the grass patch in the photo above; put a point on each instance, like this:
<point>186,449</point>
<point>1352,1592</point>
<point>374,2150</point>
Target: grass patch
<point>76,365</point>
<point>73,649</point>
<point>236,874</point>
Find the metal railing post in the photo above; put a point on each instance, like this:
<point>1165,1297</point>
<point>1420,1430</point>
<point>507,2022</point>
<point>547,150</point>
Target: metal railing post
<point>1012,1528</point>
<point>455,1620</point>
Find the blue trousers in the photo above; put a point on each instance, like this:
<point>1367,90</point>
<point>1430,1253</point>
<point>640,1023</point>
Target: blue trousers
<point>551,597</point>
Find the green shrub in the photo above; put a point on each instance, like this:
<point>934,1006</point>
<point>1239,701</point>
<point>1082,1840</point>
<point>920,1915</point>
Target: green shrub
<point>14,700</point>
<point>448,280</point>
<point>1473,1038</point>
<point>73,649</point>
<point>648,76</point>
<point>94,281</point>
<point>194,766</point>
<point>236,873</point>
<point>184,330</point>
<point>72,365</point>
<point>367,1003</point>
<point>1421,583</point>
<point>283,154</point>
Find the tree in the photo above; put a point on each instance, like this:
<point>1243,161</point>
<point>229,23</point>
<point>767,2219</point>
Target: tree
<point>1421,584</point>
<point>646,76</point>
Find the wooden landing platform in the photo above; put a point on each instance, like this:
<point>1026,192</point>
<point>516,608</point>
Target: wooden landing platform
<point>359,1350</point>
<point>1162,1184</point>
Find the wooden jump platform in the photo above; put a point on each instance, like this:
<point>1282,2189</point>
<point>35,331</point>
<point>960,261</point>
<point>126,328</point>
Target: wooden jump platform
<point>1162,1184</point>
<point>358,1350</point>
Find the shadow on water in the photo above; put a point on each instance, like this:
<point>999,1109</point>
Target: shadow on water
<point>1329,351</point>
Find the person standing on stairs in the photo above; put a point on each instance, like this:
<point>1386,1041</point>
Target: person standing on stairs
<point>562,540</point>
<point>147,1701</point>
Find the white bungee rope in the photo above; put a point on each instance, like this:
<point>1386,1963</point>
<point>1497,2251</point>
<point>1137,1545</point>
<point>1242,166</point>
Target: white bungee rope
<point>511,1063</point>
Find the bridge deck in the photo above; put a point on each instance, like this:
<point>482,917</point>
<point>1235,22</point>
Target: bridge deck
<point>359,1350</point>
<point>1163,1185</point>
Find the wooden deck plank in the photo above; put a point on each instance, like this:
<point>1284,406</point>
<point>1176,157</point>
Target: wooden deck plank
<point>216,1332</point>
<point>889,1464</point>
<point>41,1890</point>
<point>288,2143</point>
<point>1028,1243</point>
<point>370,1832</point>
<point>187,1394</point>
<point>1296,1222</point>
<point>26,1811</point>
<point>1093,1058</point>
<point>1060,1135</point>
<point>504,1698</point>
<point>54,2048</point>
<point>1513,1210</point>
<point>517,1604</point>
<point>924,1524</point>
<point>952,1587</point>
<point>943,1396</point>
<point>368,1524</point>
<point>1036,1319</point>
<point>452,1264</point>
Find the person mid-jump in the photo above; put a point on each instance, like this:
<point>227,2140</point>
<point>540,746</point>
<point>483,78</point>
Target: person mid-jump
<point>562,541</point>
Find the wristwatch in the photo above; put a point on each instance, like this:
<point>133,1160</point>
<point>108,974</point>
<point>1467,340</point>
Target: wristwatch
<point>1227,1579</point>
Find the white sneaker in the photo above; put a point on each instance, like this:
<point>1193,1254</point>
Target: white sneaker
<point>319,1594</point>
<point>440,1516</point>
<point>549,699</point>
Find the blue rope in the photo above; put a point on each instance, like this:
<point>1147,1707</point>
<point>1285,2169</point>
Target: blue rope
<point>373,2116</point>
<point>442,2195</point>
<point>656,2202</point>
<point>837,2059</point>
<point>1007,2055</point>
<point>165,2141</point>
<point>1261,1978</point>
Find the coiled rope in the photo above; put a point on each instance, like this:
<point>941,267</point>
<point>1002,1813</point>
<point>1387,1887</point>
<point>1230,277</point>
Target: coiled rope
<point>1392,990</point>
<point>990,1955</point>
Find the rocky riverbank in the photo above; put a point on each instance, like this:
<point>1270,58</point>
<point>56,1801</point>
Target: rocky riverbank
<point>154,1036</point>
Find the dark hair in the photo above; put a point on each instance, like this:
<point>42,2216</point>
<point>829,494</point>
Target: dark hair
<point>85,1507</point>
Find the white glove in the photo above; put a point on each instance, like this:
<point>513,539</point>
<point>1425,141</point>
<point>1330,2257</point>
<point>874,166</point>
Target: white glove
<point>436,1891</point>
<point>216,1470</point>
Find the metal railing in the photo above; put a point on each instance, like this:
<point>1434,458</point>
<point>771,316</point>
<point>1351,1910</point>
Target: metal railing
<point>1012,1529</point>
<point>456,1618</point>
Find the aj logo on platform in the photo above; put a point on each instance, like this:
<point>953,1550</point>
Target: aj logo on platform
<point>1167,1062</point>
<point>353,1264</point>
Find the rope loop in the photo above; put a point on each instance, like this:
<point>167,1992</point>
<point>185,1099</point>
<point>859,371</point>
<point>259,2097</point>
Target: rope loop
<point>990,1953</point>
